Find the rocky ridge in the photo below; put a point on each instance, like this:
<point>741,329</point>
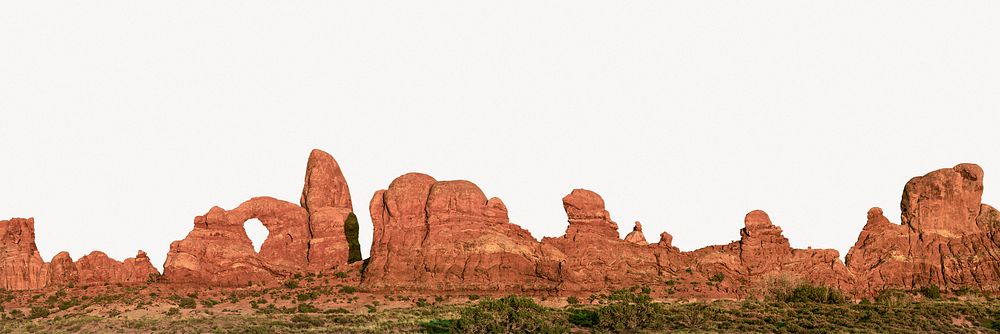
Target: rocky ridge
<point>436,236</point>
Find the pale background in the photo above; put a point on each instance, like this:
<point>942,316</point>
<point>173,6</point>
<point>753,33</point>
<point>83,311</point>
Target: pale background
<point>122,120</point>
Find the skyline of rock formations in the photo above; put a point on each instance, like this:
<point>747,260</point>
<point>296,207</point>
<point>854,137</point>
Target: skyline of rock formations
<point>431,235</point>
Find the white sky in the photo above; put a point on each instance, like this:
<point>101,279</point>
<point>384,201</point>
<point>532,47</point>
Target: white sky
<point>122,120</point>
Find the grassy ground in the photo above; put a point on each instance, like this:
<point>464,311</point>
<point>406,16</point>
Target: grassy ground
<point>319,305</point>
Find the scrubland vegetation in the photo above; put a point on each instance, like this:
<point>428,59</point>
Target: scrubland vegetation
<point>315,304</point>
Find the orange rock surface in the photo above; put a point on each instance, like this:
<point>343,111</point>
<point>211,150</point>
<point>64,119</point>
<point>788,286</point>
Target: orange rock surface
<point>440,236</point>
<point>306,238</point>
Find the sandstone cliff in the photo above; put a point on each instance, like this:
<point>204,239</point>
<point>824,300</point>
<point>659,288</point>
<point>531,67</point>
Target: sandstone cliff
<point>435,236</point>
<point>309,237</point>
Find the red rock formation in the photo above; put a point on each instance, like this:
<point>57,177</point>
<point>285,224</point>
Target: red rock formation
<point>327,199</point>
<point>62,270</point>
<point>945,202</point>
<point>636,236</point>
<point>763,253</point>
<point>666,240</point>
<point>591,255</point>
<point>97,267</point>
<point>219,252</point>
<point>21,267</point>
<point>432,235</point>
<point>303,238</point>
<point>948,237</point>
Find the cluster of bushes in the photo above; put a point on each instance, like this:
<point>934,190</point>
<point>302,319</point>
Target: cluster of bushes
<point>809,293</point>
<point>626,310</point>
<point>510,314</point>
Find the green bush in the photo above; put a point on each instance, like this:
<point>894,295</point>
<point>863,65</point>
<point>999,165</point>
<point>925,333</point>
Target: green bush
<point>348,289</point>
<point>38,312</point>
<point>510,314</point>
<point>583,317</point>
<point>186,302</point>
<point>892,297</point>
<point>628,311</point>
<point>351,229</point>
<point>152,278</point>
<point>931,292</point>
<point>302,320</point>
<point>291,284</point>
<point>808,293</point>
<point>338,310</point>
<point>209,303</point>
<point>307,308</point>
<point>438,326</point>
<point>65,305</point>
<point>572,300</point>
<point>307,296</point>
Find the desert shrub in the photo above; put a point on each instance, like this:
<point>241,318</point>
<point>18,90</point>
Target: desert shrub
<point>931,292</point>
<point>209,303</point>
<point>510,314</point>
<point>6,296</point>
<point>302,320</point>
<point>717,278</point>
<point>307,308</point>
<point>808,293</point>
<point>186,302</point>
<point>15,313</point>
<point>348,289</point>
<point>65,305</point>
<point>38,312</point>
<point>307,296</point>
<point>892,297</point>
<point>291,284</point>
<point>338,310</point>
<point>438,326</point>
<point>153,278</point>
<point>583,317</point>
<point>173,311</point>
<point>351,229</point>
<point>627,311</point>
<point>340,274</point>
<point>572,300</point>
<point>474,297</point>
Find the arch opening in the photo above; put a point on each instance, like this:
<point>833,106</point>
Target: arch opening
<point>256,232</point>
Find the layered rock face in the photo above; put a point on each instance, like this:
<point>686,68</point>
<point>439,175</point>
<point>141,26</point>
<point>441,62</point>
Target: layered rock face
<point>437,236</point>
<point>327,200</point>
<point>592,256</point>
<point>442,236</point>
<point>948,237</point>
<point>97,267</point>
<point>596,259</point>
<point>636,236</point>
<point>763,254</point>
<point>445,235</point>
<point>22,268</point>
<point>306,238</point>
